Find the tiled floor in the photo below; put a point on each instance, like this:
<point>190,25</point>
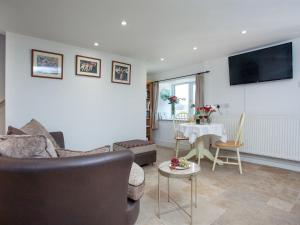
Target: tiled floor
<point>261,196</point>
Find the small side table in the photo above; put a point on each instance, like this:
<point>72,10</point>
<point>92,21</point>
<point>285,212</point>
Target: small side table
<point>190,173</point>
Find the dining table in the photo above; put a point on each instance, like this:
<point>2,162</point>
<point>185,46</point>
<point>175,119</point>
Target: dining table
<point>197,133</point>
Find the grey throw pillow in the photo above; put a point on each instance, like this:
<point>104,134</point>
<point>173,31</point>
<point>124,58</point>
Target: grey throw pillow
<point>26,146</point>
<point>36,128</point>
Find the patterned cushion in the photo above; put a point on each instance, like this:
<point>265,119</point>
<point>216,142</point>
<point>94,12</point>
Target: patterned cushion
<point>36,128</point>
<point>50,147</point>
<point>26,146</point>
<point>14,131</point>
<point>136,183</point>
<point>135,192</point>
<point>70,153</point>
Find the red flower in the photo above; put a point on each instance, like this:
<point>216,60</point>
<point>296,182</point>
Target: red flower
<point>207,109</point>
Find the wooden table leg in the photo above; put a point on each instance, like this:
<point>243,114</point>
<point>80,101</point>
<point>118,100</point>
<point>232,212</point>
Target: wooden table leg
<point>191,154</point>
<point>200,151</point>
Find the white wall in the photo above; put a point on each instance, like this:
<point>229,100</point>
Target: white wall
<point>91,112</point>
<point>2,84</point>
<point>275,99</point>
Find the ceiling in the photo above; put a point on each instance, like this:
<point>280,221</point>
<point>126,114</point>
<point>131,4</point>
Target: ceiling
<point>156,28</point>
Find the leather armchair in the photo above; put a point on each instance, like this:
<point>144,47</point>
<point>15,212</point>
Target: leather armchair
<point>89,190</point>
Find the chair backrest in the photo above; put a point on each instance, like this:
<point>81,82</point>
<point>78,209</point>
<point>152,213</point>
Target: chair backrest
<point>240,130</point>
<point>77,190</point>
<point>179,118</point>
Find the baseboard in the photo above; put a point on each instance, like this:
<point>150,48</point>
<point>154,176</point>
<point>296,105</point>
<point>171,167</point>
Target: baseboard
<point>256,159</point>
<point>268,161</point>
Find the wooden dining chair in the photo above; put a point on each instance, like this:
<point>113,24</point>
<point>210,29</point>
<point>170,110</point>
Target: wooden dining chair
<point>179,118</point>
<point>232,145</point>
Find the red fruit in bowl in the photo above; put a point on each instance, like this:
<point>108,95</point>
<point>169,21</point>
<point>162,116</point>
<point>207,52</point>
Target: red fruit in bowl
<point>174,161</point>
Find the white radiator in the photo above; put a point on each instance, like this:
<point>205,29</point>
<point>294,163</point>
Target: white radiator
<point>274,136</point>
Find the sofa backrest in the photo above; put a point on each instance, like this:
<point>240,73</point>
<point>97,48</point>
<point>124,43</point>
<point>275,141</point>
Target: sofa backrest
<point>90,190</point>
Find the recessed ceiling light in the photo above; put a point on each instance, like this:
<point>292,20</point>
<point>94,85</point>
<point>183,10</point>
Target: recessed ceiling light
<point>195,48</point>
<point>244,32</point>
<point>162,59</point>
<point>96,44</point>
<point>124,23</point>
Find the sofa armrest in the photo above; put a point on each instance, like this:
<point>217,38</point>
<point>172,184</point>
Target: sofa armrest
<point>59,138</point>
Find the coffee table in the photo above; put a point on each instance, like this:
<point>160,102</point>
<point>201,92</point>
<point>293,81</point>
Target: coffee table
<point>190,173</point>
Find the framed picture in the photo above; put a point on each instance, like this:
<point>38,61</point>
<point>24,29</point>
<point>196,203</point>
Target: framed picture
<point>46,64</point>
<point>121,72</point>
<point>89,67</point>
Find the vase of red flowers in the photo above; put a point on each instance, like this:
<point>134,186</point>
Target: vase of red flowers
<point>173,100</point>
<point>203,114</point>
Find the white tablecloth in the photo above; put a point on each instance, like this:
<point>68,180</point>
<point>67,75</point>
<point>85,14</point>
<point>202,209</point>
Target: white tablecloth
<point>194,131</point>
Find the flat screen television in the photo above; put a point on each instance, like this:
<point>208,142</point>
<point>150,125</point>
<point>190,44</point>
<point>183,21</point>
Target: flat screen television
<point>274,63</point>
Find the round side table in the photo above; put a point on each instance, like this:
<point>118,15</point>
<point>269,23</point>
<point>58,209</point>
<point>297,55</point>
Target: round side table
<point>190,173</point>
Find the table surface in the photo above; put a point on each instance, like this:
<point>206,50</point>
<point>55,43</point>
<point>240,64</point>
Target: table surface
<point>165,170</point>
<point>193,131</point>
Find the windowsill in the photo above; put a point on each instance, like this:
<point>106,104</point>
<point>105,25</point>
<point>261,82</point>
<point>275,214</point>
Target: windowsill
<point>165,120</point>
<point>169,120</point>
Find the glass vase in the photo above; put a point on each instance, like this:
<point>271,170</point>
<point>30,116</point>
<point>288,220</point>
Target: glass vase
<point>173,110</point>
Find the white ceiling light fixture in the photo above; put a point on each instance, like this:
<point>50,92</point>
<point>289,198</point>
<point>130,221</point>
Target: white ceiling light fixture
<point>244,32</point>
<point>195,48</point>
<point>96,44</point>
<point>162,59</point>
<point>123,23</point>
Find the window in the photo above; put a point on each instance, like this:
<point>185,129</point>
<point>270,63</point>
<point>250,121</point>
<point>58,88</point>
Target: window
<point>182,92</point>
<point>182,88</point>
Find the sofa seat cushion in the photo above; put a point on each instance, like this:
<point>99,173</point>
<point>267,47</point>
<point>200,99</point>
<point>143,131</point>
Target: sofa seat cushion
<point>136,183</point>
<point>36,128</point>
<point>26,146</point>
<point>71,153</point>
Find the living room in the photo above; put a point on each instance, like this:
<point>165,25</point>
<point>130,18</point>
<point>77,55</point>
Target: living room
<point>77,145</point>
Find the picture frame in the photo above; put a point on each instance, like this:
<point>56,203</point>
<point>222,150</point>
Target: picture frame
<point>121,73</point>
<point>88,66</point>
<point>46,64</point>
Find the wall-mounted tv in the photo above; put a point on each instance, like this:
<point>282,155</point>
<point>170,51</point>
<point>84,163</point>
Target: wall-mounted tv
<point>274,63</point>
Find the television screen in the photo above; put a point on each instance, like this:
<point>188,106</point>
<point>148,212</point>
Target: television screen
<point>274,63</point>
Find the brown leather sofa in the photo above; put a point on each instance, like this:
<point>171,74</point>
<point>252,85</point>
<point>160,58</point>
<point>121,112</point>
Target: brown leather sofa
<point>89,190</point>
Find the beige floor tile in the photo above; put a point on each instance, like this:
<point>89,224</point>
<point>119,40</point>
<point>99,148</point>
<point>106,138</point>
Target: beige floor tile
<point>280,204</point>
<point>296,210</point>
<point>261,196</point>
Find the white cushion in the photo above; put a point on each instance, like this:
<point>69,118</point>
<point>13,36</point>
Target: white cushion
<point>136,183</point>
